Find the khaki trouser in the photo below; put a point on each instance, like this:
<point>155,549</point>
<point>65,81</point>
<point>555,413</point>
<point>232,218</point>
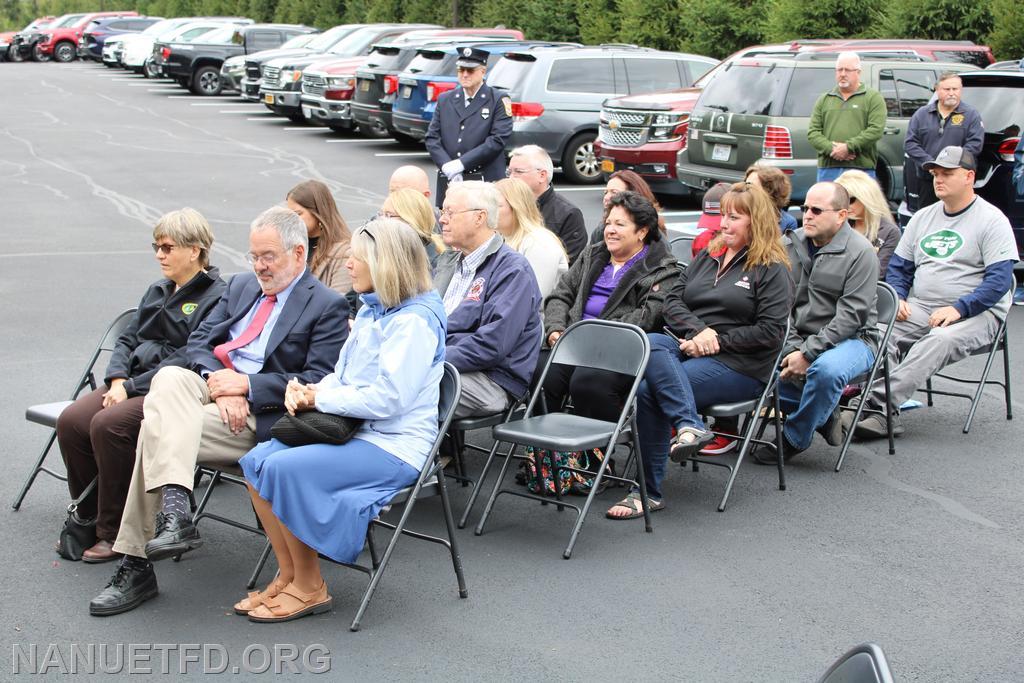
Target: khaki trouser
<point>181,427</point>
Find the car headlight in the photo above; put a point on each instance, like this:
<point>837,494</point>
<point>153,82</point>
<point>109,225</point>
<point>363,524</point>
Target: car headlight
<point>341,81</point>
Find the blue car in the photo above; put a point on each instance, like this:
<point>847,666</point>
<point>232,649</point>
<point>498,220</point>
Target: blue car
<point>432,72</point>
<point>90,45</point>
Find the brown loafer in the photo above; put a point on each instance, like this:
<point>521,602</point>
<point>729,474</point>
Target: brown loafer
<point>102,552</point>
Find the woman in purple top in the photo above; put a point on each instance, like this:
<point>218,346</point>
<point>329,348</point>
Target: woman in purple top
<point>623,278</point>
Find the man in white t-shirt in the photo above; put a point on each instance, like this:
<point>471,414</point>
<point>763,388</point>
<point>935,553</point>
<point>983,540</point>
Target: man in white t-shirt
<point>952,269</point>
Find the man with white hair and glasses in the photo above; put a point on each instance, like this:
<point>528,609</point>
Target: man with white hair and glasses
<point>533,166</point>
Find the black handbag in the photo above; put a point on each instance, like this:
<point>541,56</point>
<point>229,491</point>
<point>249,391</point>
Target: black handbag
<point>78,535</point>
<point>310,427</point>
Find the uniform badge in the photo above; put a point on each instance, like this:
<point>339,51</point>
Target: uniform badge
<point>476,290</point>
<point>189,309</point>
<point>466,52</point>
<point>507,101</point>
<point>957,119</point>
<point>485,113</point>
<point>744,282</point>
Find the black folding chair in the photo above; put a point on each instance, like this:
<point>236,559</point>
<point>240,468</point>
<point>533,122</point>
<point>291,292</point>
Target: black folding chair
<point>755,412</point>
<point>990,351</point>
<point>887,305</point>
<point>682,249</point>
<point>865,663</point>
<point>602,345</point>
<point>431,482</point>
<point>46,414</point>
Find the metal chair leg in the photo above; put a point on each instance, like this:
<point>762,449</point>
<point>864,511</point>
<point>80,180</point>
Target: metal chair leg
<point>1006,379</point>
<point>777,405</point>
<point>494,493</point>
<point>36,469</point>
<point>981,388</point>
<point>449,522</point>
<point>260,564</point>
<point>475,493</point>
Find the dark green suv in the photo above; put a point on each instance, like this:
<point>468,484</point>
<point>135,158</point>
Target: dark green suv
<point>759,109</point>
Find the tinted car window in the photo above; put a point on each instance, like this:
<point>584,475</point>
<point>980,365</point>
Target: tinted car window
<point>194,33</point>
<point>975,57</point>
<point>806,86</point>
<point>509,73</point>
<point>696,70</point>
<point>887,86</point>
<point>387,58</point>
<point>581,75</point>
<point>747,89</point>
<point>431,63</point>
<point>915,88</point>
<point>648,75</point>
<point>1001,107</point>
<point>263,40</point>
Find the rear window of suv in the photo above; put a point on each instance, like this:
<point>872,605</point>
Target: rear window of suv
<point>384,58</point>
<point>805,88</point>
<point>582,75</point>
<point>432,63</point>
<point>1000,106</point>
<point>510,72</point>
<point>747,89</point>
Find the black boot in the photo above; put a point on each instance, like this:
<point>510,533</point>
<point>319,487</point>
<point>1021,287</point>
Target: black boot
<point>175,534</point>
<point>133,583</point>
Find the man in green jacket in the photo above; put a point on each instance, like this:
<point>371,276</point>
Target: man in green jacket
<point>847,123</point>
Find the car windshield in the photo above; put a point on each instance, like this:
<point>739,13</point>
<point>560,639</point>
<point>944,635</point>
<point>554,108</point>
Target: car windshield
<point>1001,106</point>
<point>354,43</point>
<point>746,89</point>
<point>222,35</point>
<point>69,20</point>
<point>34,26</point>
<point>298,41</point>
<point>328,38</point>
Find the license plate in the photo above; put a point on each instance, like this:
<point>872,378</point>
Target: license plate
<point>406,91</point>
<point>269,99</point>
<point>721,152</point>
<point>307,112</point>
<point>364,86</point>
<point>607,165</point>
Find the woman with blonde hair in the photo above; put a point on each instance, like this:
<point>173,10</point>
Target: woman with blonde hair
<point>327,232</point>
<point>870,215</point>
<point>727,316</point>
<point>415,209</point>
<point>320,498</point>
<point>521,224</point>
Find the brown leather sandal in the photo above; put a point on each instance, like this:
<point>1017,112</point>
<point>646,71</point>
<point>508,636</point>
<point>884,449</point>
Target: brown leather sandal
<point>256,598</point>
<point>291,603</point>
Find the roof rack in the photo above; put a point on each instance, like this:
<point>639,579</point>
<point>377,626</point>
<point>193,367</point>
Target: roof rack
<point>829,55</point>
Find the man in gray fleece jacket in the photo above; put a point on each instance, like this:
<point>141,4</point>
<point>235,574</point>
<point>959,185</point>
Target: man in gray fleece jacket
<point>833,337</point>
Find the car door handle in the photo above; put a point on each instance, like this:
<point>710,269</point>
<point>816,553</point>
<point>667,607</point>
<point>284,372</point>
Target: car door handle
<point>890,130</point>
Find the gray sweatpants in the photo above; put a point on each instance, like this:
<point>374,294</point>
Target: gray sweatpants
<point>917,351</point>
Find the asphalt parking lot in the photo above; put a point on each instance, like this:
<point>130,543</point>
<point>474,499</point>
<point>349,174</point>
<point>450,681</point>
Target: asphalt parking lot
<point>920,552</point>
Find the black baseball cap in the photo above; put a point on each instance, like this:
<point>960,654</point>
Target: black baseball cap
<point>472,57</point>
<point>953,157</point>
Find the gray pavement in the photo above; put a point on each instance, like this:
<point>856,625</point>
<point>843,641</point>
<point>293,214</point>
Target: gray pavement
<point>920,552</point>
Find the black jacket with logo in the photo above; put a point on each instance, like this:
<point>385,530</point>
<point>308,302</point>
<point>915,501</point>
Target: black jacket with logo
<point>157,333</point>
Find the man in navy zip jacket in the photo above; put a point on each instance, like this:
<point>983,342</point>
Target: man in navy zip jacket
<point>952,271</point>
<point>492,300</point>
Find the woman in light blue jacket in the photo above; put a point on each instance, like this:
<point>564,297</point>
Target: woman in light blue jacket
<point>321,498</point>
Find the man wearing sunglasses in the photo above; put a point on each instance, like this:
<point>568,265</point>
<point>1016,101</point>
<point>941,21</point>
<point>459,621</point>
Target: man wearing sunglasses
<point>274,324</point>
<point>471,124</point>
<point>833,337</point>
<point>952,269</point>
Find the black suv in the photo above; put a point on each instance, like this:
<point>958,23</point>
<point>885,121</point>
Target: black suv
<point>197,65</point>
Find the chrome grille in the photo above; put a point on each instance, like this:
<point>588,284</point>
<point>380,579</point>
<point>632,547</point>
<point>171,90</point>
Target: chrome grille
<point>252,70</point>
<point>625,117</point>
<point>271,76</point>
<point>623,137</point>
<point>313,84</point>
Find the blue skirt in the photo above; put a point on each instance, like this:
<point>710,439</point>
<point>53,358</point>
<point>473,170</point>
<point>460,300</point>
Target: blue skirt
<point>326,495</point>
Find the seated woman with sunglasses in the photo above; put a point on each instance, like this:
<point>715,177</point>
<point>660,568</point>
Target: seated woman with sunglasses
<point>869,215</point>
<point>320,498</point>
<point>97,433</point>
<point>727,315</point>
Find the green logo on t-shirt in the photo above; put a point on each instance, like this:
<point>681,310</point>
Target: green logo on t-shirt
<point>941,244</point>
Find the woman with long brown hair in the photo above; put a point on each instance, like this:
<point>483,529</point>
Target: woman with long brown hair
<point>328,234</point>
<point>727,312</point>
<point>626,181</point>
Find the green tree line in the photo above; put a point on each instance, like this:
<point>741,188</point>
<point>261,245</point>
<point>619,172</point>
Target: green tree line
<point>710,27</point>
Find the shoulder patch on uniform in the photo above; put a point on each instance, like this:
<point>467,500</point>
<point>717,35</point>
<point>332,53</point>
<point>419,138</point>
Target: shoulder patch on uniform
<point>507,101</point>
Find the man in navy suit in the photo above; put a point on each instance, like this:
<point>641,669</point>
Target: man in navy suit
<point>272,325</point>
<point>471,126</point>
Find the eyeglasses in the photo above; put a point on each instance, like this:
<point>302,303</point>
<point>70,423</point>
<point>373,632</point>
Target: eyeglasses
<point>469,69</point>
<point>164,249</point>
<point>448,213</point>
<point>268,258</point>
<point>816,210</point>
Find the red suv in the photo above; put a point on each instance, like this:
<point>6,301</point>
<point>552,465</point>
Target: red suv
<point>644,133</point>
<point>61,42</point>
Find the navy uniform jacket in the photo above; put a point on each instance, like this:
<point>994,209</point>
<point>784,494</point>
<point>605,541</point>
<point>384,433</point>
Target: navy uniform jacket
<point>475,134</point>
<point>927,135</point>
<point>305,343</point>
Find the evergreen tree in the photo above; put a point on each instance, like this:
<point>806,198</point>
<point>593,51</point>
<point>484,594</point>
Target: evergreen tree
<point>1007,37</point>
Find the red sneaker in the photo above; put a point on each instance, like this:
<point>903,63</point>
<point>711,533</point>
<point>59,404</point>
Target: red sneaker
<point>720,444</point>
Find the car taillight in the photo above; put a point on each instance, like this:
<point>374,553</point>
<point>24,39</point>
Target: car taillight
<point>1007,147</point>
<point>683,130</point>
<point>390,84</point>
<point>165,53</point>
<point>434,89</point>
<point>523,111</point>
<point>777,143</point>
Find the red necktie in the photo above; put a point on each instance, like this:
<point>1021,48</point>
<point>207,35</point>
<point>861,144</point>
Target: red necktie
<point>259,321</point>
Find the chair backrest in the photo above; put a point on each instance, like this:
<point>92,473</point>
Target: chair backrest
<point>887,304</point>
<point>451,388</point>
<point>603,345</point>
<point>682,249</point>
<point>116,329</point>
<point>863,664</point>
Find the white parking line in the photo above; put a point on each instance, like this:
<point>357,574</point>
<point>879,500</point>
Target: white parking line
<point>239,111</point>
<point>308,128</point>
<point>402,154</point>
<point>268,117</point>
<point>164,89</point>
<point>225,104</point>
<point>197,97</point>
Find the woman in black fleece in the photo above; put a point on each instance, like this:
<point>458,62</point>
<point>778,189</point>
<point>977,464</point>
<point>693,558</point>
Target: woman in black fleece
<point>728,310</point>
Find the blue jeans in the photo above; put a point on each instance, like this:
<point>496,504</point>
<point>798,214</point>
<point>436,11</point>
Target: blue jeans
<point>809,406</point>
<point>832,172</point>
<point>674,390</point>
